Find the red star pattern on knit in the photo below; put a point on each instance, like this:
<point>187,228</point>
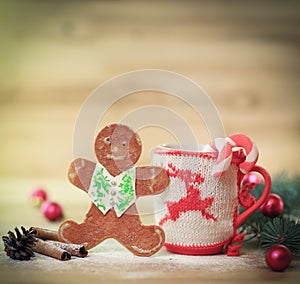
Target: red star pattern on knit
<point>192,201</point>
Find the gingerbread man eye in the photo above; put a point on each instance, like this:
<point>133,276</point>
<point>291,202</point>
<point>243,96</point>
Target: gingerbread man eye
<point>107,140</point>
<point>124,144</point>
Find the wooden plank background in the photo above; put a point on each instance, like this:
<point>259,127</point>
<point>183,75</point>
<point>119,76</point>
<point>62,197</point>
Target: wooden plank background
<point>245,54</point>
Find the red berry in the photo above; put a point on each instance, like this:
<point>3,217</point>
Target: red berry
<point>273,206</point>
<point>38,196</point>
<point>278,257</point>
<point>52,211</point>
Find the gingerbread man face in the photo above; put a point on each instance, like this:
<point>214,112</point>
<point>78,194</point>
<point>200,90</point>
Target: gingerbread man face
<point>117,148</point>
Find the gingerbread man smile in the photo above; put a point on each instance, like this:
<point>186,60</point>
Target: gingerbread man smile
<point>116,158</point>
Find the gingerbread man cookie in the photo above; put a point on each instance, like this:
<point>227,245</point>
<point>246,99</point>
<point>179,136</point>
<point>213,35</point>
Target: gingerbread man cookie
<point>114,184</point>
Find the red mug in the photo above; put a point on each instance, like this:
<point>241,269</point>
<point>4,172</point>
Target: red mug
<point>200,214</point>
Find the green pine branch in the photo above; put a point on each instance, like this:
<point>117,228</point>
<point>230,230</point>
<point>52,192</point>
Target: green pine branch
<point>282,230</point>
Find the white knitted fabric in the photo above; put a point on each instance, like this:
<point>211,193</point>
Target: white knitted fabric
<point>214,225</point>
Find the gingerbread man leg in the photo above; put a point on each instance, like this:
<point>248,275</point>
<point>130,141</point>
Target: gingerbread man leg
<point>140,239</point>
<point>90,232</point>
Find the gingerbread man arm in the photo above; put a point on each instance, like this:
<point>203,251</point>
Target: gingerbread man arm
<point>80,173</point>
<point>150,180</point>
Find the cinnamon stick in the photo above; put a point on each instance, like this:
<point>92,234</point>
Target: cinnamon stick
<point>50,249</point>
<point>73,249</point>
<point>45,234</point>
<point>49,244</point>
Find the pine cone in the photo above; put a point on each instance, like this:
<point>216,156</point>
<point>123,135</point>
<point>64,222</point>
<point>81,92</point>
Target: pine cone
<point>20,247</point>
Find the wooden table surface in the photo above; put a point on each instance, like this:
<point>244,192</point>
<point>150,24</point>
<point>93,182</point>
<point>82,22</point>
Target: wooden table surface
<point>53,54</point>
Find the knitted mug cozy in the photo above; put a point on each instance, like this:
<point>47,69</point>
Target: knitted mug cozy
<point>200,209</point>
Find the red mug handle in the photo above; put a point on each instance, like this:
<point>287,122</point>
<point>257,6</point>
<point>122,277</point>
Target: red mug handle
<point>243,216</point>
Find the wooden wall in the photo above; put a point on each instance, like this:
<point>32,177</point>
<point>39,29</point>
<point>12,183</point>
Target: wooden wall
<point>245,54</point>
